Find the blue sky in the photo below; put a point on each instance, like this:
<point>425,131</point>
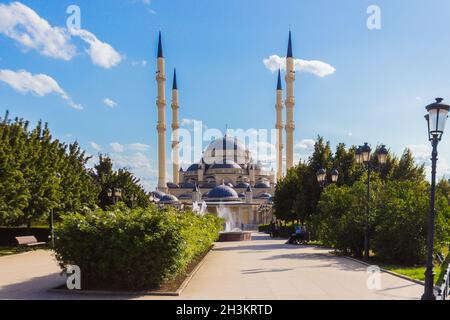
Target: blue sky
<point>381,82</point>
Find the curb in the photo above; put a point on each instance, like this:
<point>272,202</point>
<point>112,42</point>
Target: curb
<point>389,272</point>
<point>176,293</point>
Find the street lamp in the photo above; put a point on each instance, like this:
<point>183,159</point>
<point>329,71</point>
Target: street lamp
<point>436,119</point>
<point>334,176</point>
<point>52,215</point>
<point>133,199</point>
<point>322,176</point>
<point>363,156</point>
<point>114,194</point>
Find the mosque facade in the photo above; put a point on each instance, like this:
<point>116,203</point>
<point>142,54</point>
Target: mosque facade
<point>226,174</point>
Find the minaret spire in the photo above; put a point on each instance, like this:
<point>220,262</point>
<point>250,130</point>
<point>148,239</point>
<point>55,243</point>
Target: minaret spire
<point>161,127</point>
<point>279,85</point>
<point>175,128</point>
<point>160,49</point>
<point>174,85</point>
<point>290,105</point>
<point>279,127</point>
<point>289,52</point>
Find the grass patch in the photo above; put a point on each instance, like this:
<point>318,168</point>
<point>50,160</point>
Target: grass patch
<point>6,251</point>
<point>416,272</point>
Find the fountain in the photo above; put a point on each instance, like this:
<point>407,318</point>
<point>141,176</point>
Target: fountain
<point>232,230</point>
<point>199,210</point>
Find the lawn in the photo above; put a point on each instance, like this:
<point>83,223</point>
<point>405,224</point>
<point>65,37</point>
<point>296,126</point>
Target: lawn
<point>6,251</point>
<point>417,273</point>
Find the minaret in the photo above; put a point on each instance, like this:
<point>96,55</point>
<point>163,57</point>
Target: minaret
<point>161,104</point>
<point>175,132</point>
<point>279,127</point>
<point>290,104</point>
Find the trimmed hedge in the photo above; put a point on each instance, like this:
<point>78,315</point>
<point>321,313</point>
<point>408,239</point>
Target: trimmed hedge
<point>133,249</point>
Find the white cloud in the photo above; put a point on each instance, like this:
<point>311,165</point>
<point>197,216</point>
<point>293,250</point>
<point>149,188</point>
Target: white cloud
<point>25,26</point>
<point>142,63</point>
<point>316,67</point>
<point>110,103</point>
<point>39,84</point>
<point>192,124</point>
<point>422,155</point>
<point>101,53</point>
<point>117,147</point>
<point>95,146</point>
<point>306,144</point>
<point>140,165</point>
<point>139,147</point>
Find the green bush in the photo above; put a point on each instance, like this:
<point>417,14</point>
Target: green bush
<point>340,219</point>
<point>401,226</point>
<point>133,249</point>
<point>397,221</point>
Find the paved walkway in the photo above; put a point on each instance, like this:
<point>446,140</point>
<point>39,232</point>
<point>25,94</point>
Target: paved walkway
<point>261,269</point>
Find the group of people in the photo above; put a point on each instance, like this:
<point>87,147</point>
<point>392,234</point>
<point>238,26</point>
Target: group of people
<point>300,235</point>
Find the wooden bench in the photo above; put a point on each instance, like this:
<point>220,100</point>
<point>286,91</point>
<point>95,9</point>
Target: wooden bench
<point>29,241</point>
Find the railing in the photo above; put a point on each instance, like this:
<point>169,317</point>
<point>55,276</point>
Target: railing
<point>444,291</point>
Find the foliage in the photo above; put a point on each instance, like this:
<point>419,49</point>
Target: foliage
<point>397,220</point>
<point>340,219</point>
<point>108,179</point>
<point>133,249</point>
<point>39,174</point>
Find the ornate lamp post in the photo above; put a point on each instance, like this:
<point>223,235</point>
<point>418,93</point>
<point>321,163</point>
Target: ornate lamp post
<point>264,209</point>
<point>436,119</point>
<point>115,194</point>
<point>363,155</point>
<point>133,199</point>
<point>322,176</point>
<point>52,215</point>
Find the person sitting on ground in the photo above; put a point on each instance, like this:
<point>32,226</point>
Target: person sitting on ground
<point>295,237</point>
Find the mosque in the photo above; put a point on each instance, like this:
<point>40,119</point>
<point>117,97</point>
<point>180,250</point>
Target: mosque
<point>226,177</point>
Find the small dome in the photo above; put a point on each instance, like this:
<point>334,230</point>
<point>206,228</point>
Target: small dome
<point>228,164</point>
<point>193,167</point>
<point>171,185</point>
<point>264,195</point>
<point>262,185</point>
<point>168,198</point>
<point>223,192</point>
<point>157,194</point>
<point>242,185</point>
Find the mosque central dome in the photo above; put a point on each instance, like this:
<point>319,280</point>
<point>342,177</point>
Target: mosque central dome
<point>227,149</point>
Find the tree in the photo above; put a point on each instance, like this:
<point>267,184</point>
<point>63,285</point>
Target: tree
<point>401,222</point>
<point>108,179</point>
<point>407,169</point>
<point>40,175</point>
<point>284,197</point>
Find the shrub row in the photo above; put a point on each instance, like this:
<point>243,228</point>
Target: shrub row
<point>133,249</point>
<point>397,221</point>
